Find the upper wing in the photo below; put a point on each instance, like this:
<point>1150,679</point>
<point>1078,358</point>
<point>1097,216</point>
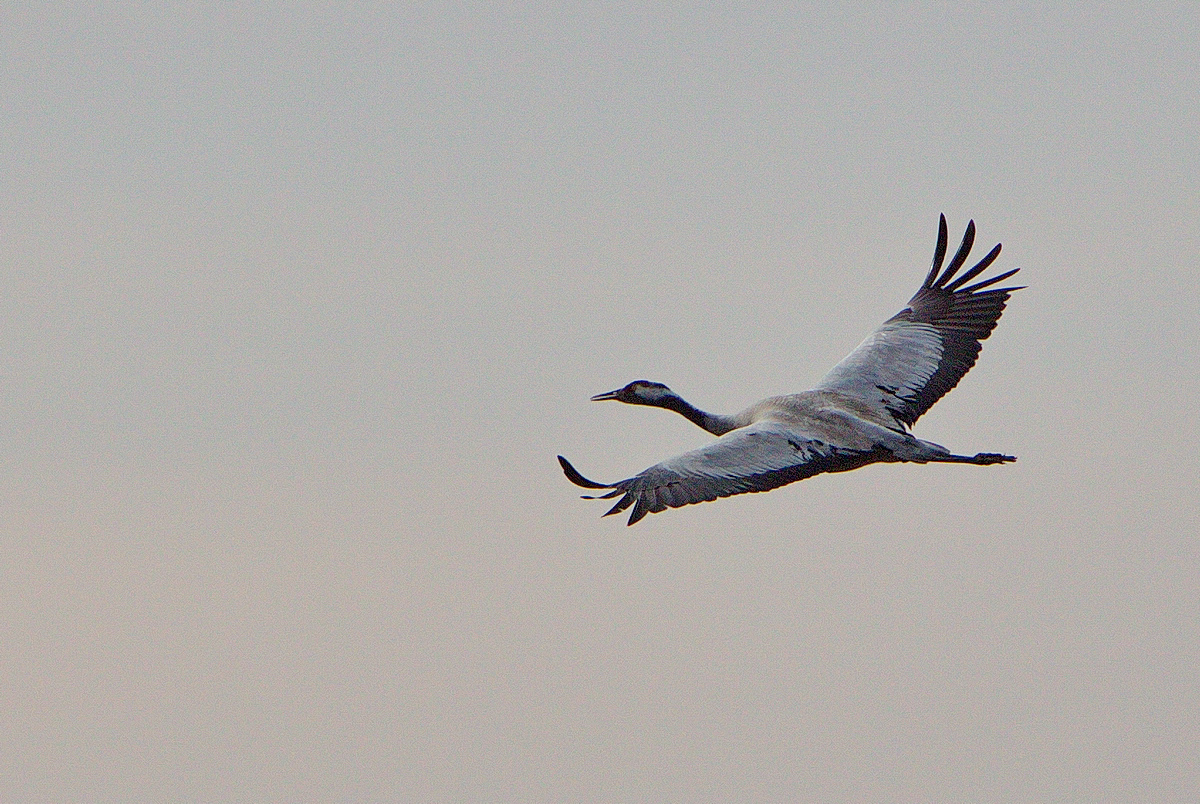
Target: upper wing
<point>760,457</point>
<point>922,352</point>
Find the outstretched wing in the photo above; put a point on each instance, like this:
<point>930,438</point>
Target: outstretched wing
<point>760,457</point>
<point>922,352</point>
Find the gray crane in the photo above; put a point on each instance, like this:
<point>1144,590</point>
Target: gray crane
<point>859,413</point>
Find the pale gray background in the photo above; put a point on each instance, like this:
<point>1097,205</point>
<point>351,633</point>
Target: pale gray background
<point>300,301</point>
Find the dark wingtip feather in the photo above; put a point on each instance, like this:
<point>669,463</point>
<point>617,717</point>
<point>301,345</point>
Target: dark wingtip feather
<point>621,505</point>
<point>939,252</point>
<point>579,480</point>
<point>993,280</point>
<point>960,256</point>
<point>608,496</point>
<point>979,268</point>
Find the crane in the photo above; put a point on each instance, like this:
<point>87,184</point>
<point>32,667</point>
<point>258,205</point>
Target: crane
<point>859,413</point>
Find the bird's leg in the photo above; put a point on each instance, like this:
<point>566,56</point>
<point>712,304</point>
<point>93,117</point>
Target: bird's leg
<point>988,458</point>
<point>979,459</point>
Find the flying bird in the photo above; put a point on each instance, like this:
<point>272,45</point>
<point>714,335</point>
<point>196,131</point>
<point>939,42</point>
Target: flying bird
<point>859,413</point>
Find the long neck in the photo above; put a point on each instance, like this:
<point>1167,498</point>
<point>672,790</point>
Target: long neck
<point>712,422</point>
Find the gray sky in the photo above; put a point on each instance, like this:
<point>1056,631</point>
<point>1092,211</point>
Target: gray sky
<point>301,301</point>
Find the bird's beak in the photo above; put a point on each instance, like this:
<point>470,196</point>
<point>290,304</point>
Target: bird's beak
<point>609,395</point>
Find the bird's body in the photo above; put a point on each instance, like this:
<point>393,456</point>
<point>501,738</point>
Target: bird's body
<point>858,414</point>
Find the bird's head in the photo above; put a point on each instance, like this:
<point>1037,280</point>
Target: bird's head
<point>639,392</point>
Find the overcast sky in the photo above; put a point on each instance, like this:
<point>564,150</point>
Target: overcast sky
<point>301,300</point>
